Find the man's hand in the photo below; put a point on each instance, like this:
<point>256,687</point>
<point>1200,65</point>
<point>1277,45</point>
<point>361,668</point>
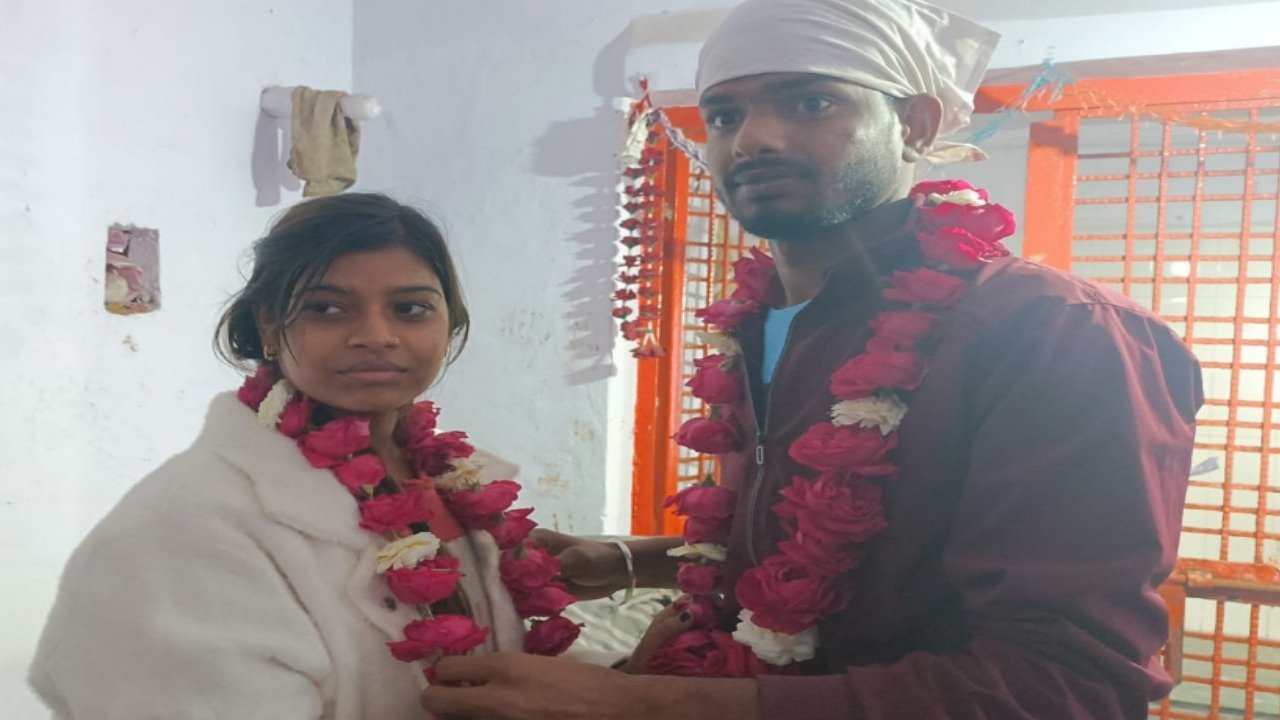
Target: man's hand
<point>514,686</point>
<point>591,569</point>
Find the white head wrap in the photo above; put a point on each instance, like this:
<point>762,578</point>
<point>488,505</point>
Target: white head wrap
<point>899,47</point>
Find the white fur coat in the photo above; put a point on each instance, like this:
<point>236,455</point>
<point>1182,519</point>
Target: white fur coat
<point>235,582</point>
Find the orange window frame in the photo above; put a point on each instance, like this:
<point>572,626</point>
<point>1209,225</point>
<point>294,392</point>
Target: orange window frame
<point>657,381</point>
<point>1214,666</point>
<point>1049,237</point>
<point>1049,210</point>
<point>1048,217</point>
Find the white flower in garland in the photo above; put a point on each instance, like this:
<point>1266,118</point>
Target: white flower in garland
<point>465,475</point>
<point>958,197</point>
<point>874,411</point>
<point>776,648</point>
<point>407,552</point>
<point>274,403</point>
<point>719,342</point>
<point>700,551</point>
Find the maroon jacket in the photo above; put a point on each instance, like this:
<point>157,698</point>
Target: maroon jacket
<point>1044,466</point>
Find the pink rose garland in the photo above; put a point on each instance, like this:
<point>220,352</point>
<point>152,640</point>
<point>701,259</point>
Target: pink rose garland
<point>829,517</point>
<point>704,653</point>
<point>714,382</point>
<point>551,636</point>
<point>442,634</point>
<point>342,445</point>
<point>428,583</point>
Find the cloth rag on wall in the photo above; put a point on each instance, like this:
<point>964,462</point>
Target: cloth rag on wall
<point>325,142</point>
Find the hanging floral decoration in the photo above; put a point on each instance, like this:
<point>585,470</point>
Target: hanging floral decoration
<point>414,564</point>
<point>834,508</point>
<point>636,299</point>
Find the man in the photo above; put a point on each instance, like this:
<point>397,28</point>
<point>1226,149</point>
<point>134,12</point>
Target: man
<point>1043,463</point>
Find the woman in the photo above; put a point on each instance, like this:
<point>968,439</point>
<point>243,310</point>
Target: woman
<point>320,545</point>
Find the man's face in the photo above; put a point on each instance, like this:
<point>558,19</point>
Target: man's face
<point>795,154</point>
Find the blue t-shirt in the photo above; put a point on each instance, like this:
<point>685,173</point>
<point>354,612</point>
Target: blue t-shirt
<point>777,323</point>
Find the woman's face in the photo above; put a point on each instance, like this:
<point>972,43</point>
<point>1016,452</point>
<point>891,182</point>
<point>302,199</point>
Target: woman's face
<point>371,335</point>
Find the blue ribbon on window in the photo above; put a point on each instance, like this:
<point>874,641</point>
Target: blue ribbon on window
<point>1050,80</point>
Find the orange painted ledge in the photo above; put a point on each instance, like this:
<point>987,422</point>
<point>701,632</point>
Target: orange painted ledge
<point>1236,582</point>
<point>1159,90</point>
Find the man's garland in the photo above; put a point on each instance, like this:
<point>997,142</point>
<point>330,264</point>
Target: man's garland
<point>416,571</point>
<point>830,513</point>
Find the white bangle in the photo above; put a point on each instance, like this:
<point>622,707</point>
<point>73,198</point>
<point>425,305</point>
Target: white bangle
<point>631,570</point>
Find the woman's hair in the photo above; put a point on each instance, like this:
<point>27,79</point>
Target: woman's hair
<point>298,250</point>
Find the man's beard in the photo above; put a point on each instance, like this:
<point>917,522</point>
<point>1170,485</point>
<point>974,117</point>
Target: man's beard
<point>859,189</point>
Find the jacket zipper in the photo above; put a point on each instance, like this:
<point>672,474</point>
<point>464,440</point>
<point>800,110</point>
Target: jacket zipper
<point>760,435</point>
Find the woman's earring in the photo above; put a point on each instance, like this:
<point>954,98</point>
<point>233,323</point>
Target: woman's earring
<point>269,355</point>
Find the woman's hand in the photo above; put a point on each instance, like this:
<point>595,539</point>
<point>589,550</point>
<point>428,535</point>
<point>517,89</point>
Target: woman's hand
<point>666,625</point>
<point>590,568</point>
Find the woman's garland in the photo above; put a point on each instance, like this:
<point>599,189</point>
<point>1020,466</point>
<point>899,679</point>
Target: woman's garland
<point>829,515</point>
<point>417,573</point>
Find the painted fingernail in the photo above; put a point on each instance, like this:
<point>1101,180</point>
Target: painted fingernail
<point>684,617</point>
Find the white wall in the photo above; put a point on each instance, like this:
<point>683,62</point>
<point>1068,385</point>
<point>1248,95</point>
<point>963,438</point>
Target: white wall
<point>664,41</point>
<point>141,111</point>
<point>499,118</point>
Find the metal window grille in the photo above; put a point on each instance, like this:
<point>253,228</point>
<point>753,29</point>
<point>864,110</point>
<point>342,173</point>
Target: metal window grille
<point>700,243</point>
<point>713,241</point>
<point>1184,220</point>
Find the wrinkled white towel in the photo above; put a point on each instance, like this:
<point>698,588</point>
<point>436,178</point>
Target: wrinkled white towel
<point>325,142</point>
